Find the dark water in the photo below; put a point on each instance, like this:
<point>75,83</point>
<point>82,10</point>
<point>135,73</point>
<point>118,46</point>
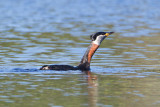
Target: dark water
<point>124,71</point>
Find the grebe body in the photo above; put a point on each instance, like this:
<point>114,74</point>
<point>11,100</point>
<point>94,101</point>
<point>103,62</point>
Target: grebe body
<point>97,39</point>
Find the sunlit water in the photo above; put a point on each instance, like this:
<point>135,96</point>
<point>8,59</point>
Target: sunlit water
<point>125,69</point>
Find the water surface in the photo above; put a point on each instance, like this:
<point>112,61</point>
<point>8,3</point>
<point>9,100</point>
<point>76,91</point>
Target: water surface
<point>125,69</point>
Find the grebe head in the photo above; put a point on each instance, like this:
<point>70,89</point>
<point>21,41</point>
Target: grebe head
<point>98,37</point>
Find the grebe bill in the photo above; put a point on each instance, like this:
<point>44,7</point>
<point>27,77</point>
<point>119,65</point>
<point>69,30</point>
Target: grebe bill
<point>97,39</point>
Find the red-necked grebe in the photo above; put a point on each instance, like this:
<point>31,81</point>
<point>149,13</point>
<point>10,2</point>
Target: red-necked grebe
<point>97,39</point>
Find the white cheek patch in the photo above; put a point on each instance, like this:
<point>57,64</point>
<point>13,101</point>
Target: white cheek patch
<point>99,39</point>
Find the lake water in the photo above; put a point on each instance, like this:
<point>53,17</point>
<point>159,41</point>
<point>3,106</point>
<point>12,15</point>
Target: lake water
<point>125,71</point>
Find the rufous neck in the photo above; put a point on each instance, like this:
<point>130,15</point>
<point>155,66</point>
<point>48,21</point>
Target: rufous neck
<point>92,50</point>
<point>85,62</point>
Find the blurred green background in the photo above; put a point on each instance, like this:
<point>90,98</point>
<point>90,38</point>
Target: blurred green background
<point>127,64</point>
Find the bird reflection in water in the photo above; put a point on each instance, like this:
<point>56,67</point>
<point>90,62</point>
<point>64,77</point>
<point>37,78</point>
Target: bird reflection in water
<point>92,88</point>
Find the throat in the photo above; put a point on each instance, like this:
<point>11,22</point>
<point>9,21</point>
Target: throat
<point>86,59</point>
